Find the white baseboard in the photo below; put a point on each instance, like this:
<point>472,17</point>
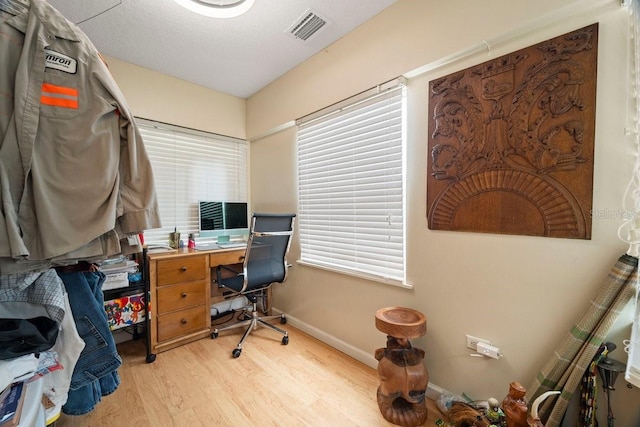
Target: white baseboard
<point>433,391</point>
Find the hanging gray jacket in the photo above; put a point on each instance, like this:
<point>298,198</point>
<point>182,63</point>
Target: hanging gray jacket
<point>75,178</point>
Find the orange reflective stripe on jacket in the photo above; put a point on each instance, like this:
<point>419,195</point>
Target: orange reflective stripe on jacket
<point>59,96</point>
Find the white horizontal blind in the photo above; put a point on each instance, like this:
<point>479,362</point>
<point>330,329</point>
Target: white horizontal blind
<point>350,188</point>
<point>190,166</point>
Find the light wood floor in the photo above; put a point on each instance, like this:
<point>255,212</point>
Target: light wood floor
<point>305,383</point>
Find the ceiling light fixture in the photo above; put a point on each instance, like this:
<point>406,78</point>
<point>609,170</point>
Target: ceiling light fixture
<point>217,8</point>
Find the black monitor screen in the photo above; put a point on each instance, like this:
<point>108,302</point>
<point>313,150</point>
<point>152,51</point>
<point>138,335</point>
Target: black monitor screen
<point>223,215</point>
<point>211,216</point>
<point>235,215</point>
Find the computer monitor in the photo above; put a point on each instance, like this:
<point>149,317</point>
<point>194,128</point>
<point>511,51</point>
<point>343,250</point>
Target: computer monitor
<point>223,219</point>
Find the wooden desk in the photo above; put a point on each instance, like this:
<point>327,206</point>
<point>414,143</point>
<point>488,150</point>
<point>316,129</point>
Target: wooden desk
<point>181,294</point>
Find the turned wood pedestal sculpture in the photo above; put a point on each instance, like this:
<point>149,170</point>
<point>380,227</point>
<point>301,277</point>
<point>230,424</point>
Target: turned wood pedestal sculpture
<point>403,375</point>
<point>514,406</point>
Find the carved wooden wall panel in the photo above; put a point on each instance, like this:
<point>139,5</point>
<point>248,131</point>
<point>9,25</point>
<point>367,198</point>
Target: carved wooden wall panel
<point>511,142</point>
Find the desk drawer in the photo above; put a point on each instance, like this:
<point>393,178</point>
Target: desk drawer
<point>177,270</point>
<point>177,297</point>
<point>181,322</point>
<point>224,258</point>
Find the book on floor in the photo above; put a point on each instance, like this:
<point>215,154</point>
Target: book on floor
<point>4,393</point>
<point>12,406</point>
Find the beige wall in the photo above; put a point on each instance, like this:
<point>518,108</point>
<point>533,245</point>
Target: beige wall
<point>156,96</point>
<point>523,293</point>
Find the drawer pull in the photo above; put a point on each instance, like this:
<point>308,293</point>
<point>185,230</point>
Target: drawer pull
<point>183,321</point>
<point>183,268</point>
<point>183,295</point>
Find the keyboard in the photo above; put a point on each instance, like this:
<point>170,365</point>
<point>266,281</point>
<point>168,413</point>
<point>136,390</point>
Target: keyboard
<point>206,246</point>
<point>232,245</point>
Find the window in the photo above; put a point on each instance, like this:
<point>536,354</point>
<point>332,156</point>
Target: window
<point>189,166</point>
<point>351,185</point>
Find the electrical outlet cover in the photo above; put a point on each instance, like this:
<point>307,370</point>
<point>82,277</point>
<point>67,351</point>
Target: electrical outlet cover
<point>472,342</point>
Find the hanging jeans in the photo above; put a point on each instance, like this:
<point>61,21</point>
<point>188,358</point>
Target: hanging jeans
<point>95,374</point>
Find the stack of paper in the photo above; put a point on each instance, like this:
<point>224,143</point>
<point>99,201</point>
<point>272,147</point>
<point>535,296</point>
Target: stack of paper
<point>117,274</point>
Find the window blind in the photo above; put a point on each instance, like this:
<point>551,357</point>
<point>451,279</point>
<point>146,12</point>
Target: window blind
<point>351,187</point>
<point>190,166</point>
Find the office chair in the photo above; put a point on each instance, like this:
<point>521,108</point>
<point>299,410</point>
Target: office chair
<point>265,263</point>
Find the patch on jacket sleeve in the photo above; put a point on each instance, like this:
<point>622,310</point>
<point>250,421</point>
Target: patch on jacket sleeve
<point>59,96</point>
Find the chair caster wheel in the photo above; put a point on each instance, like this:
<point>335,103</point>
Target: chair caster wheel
<point>236,353</point>
<point>285,340</point>
<point>283,320</point>
<point>151,358</point>
<point>214,335</point>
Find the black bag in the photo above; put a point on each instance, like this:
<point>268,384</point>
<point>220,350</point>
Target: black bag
<point>23,336</point>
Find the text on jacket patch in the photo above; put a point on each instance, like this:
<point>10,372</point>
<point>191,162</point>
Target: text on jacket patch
<point>59,61</point>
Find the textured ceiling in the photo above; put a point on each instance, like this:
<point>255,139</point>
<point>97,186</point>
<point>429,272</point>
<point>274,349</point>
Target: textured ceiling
<point>237,56</point>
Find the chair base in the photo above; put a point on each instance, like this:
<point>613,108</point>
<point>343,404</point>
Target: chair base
<point>252,324</point>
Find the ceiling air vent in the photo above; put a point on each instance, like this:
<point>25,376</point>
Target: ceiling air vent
<point>307,25</point>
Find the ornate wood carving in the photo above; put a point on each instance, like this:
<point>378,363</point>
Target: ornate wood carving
<point>511,142</point>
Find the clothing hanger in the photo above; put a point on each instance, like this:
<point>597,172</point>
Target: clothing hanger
<point>99,13</point>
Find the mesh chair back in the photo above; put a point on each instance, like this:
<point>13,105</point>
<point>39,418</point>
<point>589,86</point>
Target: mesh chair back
<point>266,258</point>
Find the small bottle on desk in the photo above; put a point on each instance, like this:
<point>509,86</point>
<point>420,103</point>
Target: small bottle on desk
<point>192,241</point>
